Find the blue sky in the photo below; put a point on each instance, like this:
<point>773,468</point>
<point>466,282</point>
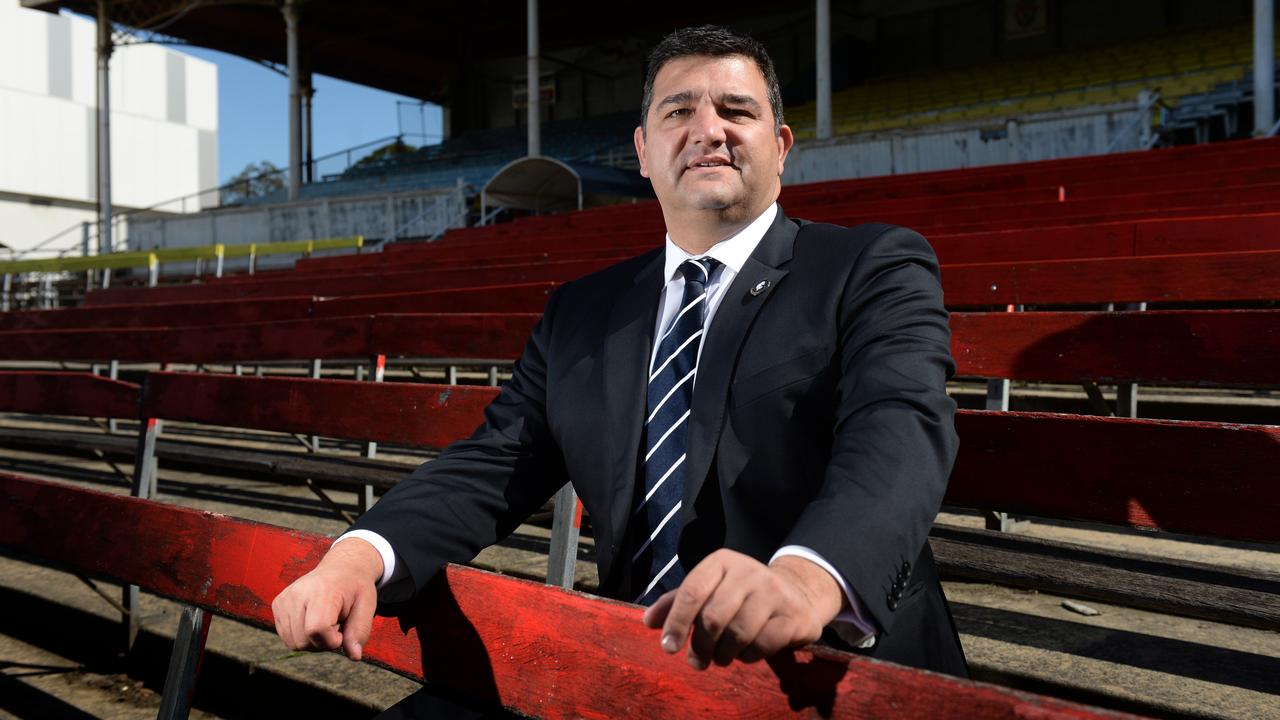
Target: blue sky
<point>253,114</point>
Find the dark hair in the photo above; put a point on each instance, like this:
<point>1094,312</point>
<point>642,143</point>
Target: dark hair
<point>712,41</point>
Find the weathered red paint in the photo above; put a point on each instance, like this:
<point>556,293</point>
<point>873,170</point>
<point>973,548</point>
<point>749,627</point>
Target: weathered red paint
<point>521,298</point>
<point>1210,479</point>
<point>1238,276</point>
<point>475,335</point>
<point>218,312</point>
<point>67,393</point>
<point>428,415</point>
<point>539,650</point>
<point>1207,347</point>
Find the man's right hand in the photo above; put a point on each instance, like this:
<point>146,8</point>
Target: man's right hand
<point>332,606</point>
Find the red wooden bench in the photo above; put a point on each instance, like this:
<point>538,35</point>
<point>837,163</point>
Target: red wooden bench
<point>1158,277</point>
<point>537,650</point>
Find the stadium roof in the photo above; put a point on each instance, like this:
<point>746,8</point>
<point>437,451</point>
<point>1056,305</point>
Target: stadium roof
<point>409,47</point>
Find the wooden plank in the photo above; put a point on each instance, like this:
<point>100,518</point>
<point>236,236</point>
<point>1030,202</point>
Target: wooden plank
<point>1211,479</point>
<point>470,335</point>
<point>520,298</point>
<point>428,415</point>
<point>539,650</point>
<point>1203,347</point>
<point>362,284</point>
<point>218,312</point>
<point>1242,276</point>
<point>326,470</point>
<point>67,393</point>
<point>1198,590</point>
<point>290,340</point>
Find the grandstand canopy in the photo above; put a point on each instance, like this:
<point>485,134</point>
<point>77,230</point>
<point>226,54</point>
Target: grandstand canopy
<point>414,48</point>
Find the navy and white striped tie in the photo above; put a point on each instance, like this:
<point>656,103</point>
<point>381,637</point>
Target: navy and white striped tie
<point>656,517</point>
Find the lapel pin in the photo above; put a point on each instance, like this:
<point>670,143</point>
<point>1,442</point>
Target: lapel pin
<point>760,287</point>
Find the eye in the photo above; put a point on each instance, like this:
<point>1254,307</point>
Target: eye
<point>678,112</point>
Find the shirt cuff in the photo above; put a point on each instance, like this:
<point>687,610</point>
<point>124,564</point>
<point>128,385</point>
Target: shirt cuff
<point>391,570</point>
<point>851,625</point>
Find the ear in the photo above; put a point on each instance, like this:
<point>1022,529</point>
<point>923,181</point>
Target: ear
<point>785,141</point>
<point>638,137</point>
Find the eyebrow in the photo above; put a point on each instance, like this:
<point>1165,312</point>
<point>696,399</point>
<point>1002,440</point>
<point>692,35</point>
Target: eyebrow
<point>685,96</point>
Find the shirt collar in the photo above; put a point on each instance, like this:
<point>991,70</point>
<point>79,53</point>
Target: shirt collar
<point>733,251</point>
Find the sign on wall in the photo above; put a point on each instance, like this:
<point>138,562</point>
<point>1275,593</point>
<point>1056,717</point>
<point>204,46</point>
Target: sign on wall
<point>1025,18</point>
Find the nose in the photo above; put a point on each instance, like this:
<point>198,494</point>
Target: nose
<point>708,126</point>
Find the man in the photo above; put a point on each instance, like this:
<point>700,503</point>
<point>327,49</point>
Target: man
<point>754,415</point>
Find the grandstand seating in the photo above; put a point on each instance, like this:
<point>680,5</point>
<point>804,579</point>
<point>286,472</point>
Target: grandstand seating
<point>1193,226</point>
<point>1177,64</point>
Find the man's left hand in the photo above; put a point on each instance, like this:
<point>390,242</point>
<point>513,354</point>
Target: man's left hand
<point>734,606</point>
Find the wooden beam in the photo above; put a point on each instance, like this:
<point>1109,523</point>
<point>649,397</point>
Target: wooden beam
<point>67,393</point>
<point>1211,479</point>
<point>535,649</point>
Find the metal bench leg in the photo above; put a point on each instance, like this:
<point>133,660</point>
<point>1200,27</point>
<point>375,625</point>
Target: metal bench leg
<point>184,664</point>
<point>998,400</point>
<point>377,372</point>
<point>315,375</point>
<point>1127,393</point>
<point>562,561</point>
<point>113,372</point>
<point>144,467</point>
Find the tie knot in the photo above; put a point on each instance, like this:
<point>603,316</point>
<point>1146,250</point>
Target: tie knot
<point>698,270</point>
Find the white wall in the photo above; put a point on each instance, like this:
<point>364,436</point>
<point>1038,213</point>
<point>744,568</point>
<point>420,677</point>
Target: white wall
<point>946,148</point>
<point>164,121</point>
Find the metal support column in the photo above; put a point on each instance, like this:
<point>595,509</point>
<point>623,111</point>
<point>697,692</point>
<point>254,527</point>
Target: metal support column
<point>184,664</point>
<point>562,559</point>
<point>1264,65</point>
<point>534,94</point>
<point>5,292</point>
<point>295,100</point>
<point>998,401</point>
<point>823,68</point>
<point>104,129</point>
<point>86,235</point>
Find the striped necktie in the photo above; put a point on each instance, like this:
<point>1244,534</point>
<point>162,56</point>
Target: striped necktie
<point>656,519</point>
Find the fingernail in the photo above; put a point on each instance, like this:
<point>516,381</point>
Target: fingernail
<point>669,643</point>
<point>696,663</point>
<point>359,652</point>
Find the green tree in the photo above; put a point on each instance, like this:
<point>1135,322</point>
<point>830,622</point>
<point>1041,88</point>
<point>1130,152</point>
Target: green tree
<point>255,180</point>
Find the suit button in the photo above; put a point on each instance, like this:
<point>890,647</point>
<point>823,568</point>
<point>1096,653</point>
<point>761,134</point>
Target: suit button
<point>906,566</point>
<point>893,604</point>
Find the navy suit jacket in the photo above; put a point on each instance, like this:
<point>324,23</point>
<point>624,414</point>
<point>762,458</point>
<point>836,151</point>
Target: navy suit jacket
<point>820,418</point>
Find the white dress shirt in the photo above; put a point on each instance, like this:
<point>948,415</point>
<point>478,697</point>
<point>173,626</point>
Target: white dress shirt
<point>732,252</point>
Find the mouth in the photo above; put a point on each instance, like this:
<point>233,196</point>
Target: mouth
<point>710,162</point>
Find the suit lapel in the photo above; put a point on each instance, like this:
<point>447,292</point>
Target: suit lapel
<point>720,350</point>
<point>626,357</point>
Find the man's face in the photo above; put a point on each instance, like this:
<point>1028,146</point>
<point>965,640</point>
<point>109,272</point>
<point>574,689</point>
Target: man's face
<point>709,142</point>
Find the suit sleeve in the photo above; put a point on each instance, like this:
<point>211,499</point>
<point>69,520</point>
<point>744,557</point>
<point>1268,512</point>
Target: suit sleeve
<point>479,489</point>
<point>894,436</point>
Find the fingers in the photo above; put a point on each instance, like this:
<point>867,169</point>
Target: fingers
<point>719,612</point>
<point>320,626</point>
<point>776,634</point>
<point>358,625</point>
<point>656,614</point>
<point>742,632</point>
<point>688,600</point>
